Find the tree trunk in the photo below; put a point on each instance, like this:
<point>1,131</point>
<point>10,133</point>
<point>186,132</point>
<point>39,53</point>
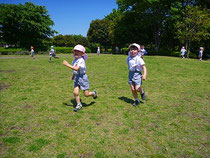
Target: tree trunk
<point>188,47</point>
<point>157,40</point>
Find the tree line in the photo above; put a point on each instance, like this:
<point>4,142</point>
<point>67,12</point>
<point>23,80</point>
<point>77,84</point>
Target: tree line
<point>157,24</point>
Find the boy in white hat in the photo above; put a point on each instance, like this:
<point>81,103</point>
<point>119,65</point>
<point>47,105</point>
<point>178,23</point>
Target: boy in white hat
<point>79,75</point>
<point>135,65</point>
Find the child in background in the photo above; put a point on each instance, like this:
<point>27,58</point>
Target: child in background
<point>135,66</point>
<point>142,51</point>
<point>52,53</point>
<point>200,53</point>
<point>183,51</point>
<point>32,53</point>
<point>79,75</point>
<point>98,51</point>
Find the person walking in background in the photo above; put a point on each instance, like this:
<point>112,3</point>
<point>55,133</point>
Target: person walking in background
<point>52,53</point>
<point>136,65</point>
<point>117,49</point>
<point>32,53</point>
<point>142,51</point>
<point>200,55</point>
<point>98,51</point>
<point>183,51</point>
<point>79,75</point>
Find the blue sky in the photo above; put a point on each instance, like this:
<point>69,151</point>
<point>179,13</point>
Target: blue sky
<point>73,16</point>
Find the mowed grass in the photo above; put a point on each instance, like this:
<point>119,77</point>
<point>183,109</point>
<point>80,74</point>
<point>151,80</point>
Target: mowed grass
<point>37,117</point>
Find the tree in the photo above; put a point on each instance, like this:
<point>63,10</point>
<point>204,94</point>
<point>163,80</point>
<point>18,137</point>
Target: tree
<point>26,25</point>
<point>70,40</point>
<point>99,32</point>
<point>79,39</point>
<point>194,26</point>
<point>59,40</point>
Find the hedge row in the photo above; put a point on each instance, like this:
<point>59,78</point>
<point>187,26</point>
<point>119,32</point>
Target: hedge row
<point>66,50</point>
<point>18,51</point>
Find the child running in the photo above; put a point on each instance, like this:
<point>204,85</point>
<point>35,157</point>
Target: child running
<point>142,51</point>
<point>183,51</point>
<point>79,75</point>
<point>32,53</point>
<point>52,53</point>
<point>135,65</point>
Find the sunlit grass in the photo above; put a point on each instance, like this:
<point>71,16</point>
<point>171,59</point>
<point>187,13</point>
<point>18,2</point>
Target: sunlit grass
<point>37,117</point>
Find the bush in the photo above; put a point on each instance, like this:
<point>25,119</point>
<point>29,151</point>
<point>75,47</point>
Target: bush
<point>63,50</point>
<point>124,51</point>
<point>9,51</point>
<point>87,50</point>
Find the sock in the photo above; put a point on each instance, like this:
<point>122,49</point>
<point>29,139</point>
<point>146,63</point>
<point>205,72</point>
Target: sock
<point>79,104</point>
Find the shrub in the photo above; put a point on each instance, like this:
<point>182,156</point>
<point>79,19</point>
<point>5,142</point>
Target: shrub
<point>63,50</point>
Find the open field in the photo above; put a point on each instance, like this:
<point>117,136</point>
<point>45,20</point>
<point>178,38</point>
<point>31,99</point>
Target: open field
<point>37,117</point>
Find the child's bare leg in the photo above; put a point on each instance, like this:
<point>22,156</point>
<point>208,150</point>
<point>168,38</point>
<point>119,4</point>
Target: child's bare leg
<point>76,94</point>
<point>134,92</point>
<point>87,93</point>
<point>139,89</point>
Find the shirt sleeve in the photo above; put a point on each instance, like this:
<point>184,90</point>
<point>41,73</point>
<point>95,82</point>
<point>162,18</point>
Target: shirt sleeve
<point>81,63</point>
<point>140,62</point>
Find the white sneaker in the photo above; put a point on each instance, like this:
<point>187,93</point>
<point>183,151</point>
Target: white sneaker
<point>78,107</point>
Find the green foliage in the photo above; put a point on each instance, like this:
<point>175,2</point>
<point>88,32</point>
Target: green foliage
<point>26,25</point>
<point>153,22</point>
<point>194,26</point>
<point>63,50</point>
<point>99,32</point>
<point>6,51</point>
<point>70,40</point>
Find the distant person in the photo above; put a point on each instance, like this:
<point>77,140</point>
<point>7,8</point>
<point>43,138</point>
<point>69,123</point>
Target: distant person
<point>79,75</point>
<point>98,51</point>
<point>52,53</point>
<point>183,51</point>
<point>200,55</point>
<point>117,50</point>
<point>135,65</point>
<point>142,51</point>
<point>32,53</point>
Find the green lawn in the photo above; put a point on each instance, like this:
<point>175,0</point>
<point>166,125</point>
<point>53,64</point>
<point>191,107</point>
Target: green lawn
<point>37,117</point>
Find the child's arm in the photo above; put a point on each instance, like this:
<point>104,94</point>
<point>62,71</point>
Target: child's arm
<point>145,72</point>
<point>76,68</point>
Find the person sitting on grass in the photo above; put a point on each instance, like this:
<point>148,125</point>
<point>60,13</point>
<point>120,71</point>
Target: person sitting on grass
<point>79,75</point>
<point>52,53</point>
<point>135,65</point>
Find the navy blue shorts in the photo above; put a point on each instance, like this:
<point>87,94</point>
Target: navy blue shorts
<point>135,78</point>
<point>81,81</point>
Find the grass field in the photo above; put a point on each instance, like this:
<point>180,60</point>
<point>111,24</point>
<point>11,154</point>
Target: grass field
<point>37,117</point>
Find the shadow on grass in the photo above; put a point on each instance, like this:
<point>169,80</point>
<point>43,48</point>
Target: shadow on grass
<point>127,100</point>
<point>73,103</point>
